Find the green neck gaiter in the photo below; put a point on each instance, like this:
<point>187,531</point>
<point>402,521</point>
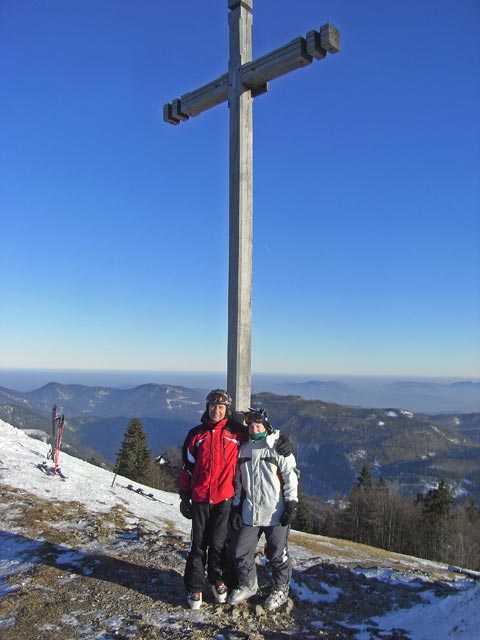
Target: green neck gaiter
<point>258,436</point>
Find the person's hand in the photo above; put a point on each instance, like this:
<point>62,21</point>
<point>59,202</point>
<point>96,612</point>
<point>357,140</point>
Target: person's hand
<point>289,512</point>
<point>186,506</point>
<point>283,446</point>
<point>238,418</point>
<point>236,521</point>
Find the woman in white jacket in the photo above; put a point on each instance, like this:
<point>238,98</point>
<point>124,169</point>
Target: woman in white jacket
<point>265,502</point>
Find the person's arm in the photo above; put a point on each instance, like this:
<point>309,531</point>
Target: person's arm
<point>188,458</point>
<point>284,446</point>
<point>185,491</point>
<point>288,472</point>
<point>237,421</point>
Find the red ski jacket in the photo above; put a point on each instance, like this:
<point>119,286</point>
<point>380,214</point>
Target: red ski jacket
<point>210,460</point>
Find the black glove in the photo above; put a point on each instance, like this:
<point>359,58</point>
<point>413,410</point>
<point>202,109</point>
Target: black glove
<point>186,505</point>
<point>238,420</point>
<point>283,446</point>
<point>289,512</point>
<point>236,521</point>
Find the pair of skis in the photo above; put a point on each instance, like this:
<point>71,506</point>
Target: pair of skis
<point>143,493</point>
<point>48,470</point>
<point>58,426</point>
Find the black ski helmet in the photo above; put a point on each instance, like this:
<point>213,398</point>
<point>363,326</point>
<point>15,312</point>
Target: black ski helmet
<point>258,415</point>
<point>219,396</point>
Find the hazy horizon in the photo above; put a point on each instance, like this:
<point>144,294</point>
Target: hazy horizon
<point>28,379</point>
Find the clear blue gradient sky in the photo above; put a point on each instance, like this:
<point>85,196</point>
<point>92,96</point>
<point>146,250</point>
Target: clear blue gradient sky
<point>114,225</point>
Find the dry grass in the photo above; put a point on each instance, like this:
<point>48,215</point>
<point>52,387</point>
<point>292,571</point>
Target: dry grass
<point>89,569</point>
<point>348,553</point>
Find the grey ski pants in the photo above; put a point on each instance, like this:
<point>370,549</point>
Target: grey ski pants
<point>276,552</point>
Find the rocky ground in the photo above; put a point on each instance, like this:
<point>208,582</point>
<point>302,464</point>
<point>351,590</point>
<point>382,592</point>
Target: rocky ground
<point>103,576</point>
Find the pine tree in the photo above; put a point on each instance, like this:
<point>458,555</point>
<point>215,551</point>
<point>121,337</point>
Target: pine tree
<point>436,507</point>
<point>134,456</point>
<point>438,502</point>
<point>303,519</point>
<point>364,479</point>
<point>329,526</point>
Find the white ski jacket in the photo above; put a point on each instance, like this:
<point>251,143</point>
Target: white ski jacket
<point>264,480</point>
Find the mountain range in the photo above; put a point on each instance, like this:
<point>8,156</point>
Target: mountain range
<point>418,396</point>
<point>424,395</point>
<point>332,442</point>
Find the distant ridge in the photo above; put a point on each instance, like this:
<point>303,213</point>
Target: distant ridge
<point>151,400</point>
<point>433,396</point>
<point>418,396</point>
<point>332,440</point>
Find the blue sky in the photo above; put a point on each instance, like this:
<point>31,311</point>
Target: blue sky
<point>114,224</point>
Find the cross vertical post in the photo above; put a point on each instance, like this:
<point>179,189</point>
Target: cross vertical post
<point>240,207</point>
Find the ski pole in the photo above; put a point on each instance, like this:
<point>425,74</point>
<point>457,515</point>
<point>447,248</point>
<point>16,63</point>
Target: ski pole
<point>117,465</point>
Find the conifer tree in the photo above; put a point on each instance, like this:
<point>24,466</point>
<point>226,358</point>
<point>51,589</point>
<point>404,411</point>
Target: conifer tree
<point>329,526</point>
<point>436,507</point>
<point>303,519</point>
<point>437,503</point>
<point>134,456</point>
<point>364,479</point>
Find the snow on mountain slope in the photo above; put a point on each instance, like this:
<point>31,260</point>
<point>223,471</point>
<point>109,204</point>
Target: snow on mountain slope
<point>82,559</point>
<point>86,483</point>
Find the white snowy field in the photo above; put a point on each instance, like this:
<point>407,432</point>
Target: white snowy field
<point>86,483</point>
<point>437,617</point>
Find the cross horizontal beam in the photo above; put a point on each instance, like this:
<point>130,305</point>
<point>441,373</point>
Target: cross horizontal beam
<point>256,74</point>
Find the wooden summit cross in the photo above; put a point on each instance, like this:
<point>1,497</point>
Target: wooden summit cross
<point>245,80</point>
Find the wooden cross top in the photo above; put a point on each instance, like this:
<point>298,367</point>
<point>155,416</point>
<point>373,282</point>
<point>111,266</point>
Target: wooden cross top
<point>256,75</point>
<point>245,80</point>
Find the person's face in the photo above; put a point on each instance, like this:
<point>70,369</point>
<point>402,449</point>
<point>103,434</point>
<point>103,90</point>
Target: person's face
<point>256,427</point>
<point>217,412</point>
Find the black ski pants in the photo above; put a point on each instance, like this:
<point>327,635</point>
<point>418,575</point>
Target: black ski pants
<point>209,532</point>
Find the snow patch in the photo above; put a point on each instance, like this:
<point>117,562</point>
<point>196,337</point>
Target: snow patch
<point>328,594</point>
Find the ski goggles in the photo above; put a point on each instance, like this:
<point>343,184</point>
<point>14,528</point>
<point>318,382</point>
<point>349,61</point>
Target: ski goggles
<point>219,397</point>
<point>256,415</point>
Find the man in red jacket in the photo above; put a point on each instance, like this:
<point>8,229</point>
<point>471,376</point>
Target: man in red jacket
<point>206,490</point>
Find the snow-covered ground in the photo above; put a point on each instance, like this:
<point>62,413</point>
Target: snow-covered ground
<point>436,617</point>
<point>86,483</point>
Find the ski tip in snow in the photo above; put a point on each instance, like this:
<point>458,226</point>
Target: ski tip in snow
<point>49,470</point>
